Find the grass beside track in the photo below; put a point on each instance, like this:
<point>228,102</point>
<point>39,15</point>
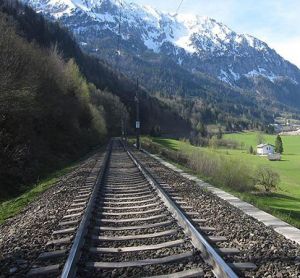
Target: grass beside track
<point>12,207</point>
<point>285,201</point>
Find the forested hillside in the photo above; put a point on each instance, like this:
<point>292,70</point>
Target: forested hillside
<point>35,28</point>
<point>51,113</point>
<point>202,67</point>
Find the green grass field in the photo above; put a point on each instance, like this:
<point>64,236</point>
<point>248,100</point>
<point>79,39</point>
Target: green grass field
<point>285,201</point>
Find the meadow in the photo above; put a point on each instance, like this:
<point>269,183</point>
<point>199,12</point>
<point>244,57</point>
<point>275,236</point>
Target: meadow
<point>284,202</point>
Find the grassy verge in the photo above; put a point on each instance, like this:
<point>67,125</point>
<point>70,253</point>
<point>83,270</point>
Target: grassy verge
<point>283,203</point>
<point>13,206</point>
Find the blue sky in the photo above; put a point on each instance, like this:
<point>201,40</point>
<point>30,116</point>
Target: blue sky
<point>277,22</point>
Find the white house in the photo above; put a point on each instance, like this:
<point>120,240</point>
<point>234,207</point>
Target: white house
<point>265,149</point>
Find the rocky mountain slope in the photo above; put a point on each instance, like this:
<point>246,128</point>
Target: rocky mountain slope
<point>135,38</point>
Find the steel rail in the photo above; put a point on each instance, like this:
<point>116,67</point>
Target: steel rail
<point>70,265</point>
<point>220,268</point>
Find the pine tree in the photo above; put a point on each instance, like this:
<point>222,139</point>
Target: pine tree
<point>278,145</point>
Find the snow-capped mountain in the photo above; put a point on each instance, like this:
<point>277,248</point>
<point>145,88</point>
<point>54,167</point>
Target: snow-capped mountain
<point>195,43</point>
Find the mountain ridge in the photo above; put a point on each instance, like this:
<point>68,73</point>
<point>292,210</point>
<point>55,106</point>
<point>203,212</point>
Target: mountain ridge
<point>203,40</point>
<point>227,67</point>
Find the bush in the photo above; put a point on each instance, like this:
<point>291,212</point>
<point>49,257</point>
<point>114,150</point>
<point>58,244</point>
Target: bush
<point>228,143</point>
<point>214,143</point>
<point>267,178</point>
<point>198,140</point>
<point>155,131</point>
<point>220,169</point>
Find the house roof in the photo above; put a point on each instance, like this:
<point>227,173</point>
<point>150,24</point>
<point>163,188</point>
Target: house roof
<point>264,145</point>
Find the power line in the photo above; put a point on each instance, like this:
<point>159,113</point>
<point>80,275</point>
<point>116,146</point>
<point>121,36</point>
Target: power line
<point>179,7</point>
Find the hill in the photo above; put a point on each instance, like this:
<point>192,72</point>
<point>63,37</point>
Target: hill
<point>56,102</point>
<point>194,57</point>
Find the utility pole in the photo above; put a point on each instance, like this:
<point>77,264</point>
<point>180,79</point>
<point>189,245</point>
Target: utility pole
<point>137,123</point>
<point>125,131</point>
<point>122,127</point>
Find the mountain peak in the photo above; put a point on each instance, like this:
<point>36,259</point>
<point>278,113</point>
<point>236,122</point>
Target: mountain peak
<point>200,43</point>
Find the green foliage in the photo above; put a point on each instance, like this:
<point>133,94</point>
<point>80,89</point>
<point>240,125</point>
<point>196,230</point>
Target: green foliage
<point>285,201</point>
<point>270,129</point>
<point>49,115</point>
<point>220,133</point>
<point>113,109</point>
<point>251,149</point>
<point>14,206</point>
<point>202,130</point>
<point>278,145</point>
<point>34,27</point>
<point>155,131</point>
<point>197,140</point>
<point>221,170</point>
<point>267,178</point>
<point>218,169</point>
<point>213,142</point>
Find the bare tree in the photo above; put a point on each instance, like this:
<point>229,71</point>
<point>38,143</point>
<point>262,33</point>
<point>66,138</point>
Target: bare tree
<point>267,178</point>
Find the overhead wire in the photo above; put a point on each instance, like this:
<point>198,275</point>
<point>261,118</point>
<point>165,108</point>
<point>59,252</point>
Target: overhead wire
<point>179,6</point>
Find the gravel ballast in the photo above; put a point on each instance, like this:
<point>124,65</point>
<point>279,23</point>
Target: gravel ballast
<point>165,248</point>
<point>274,255</point>
<point>23,237</point>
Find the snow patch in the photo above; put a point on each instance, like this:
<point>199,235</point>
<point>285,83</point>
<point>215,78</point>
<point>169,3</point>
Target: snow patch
<point>189,34</point>
<point>225,77</point>
<point>262,72</point>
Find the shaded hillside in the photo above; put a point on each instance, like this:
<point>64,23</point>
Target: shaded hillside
<point>178,56</point>
<point>48,116</point>
<point>35,28</point>
<point>51,113</point>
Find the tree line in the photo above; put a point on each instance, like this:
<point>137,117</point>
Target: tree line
<point>57,103</point>
<point>49,113</point>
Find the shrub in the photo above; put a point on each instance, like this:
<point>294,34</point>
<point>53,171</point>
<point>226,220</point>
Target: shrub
<point>214,143</point>
<point>267,178</point>
<point>235,174</point>
<point>228,143</point>
<point>222,171</point>
<point>155,131</point>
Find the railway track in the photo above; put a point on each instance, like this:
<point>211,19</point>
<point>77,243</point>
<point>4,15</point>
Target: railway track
<point>124,224</point>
